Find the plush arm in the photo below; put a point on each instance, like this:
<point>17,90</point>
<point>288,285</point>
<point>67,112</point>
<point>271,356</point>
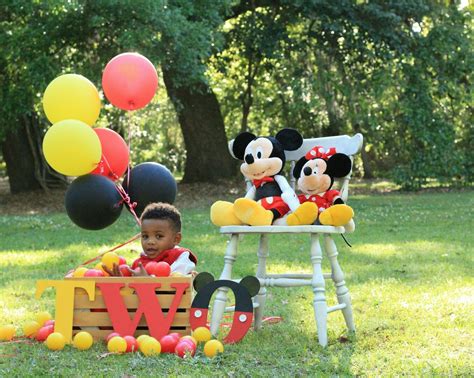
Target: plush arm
<point>183,264</point>
<point>287,193</point>
<point>251,193</point>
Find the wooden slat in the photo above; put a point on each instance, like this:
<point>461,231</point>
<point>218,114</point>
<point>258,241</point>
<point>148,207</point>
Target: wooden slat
<point>165,281</point>
<point>132,301</point>
<point>97,319</point>
<point>101,334</point>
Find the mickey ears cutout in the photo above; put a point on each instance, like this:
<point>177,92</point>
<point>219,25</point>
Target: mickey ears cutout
<point>202,279</point>
<point>251,283</point>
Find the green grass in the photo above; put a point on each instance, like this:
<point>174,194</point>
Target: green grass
<point>410,274</point>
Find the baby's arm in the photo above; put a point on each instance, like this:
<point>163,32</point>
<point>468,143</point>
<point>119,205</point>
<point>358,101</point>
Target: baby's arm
<point>183,264</point>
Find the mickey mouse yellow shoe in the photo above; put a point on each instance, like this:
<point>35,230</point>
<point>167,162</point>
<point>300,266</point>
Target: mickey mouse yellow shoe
<point>336,215</point>
<point>305,214</point>
<point>222,214</point>
<point>252,213</point>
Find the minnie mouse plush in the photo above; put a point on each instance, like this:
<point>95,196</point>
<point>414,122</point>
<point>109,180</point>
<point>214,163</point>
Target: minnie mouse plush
<point>270,196</point>
<point>315,173</point>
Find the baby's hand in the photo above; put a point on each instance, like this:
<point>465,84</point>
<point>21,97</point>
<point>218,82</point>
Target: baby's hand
<point>140,272</point>
<point>115,272</point>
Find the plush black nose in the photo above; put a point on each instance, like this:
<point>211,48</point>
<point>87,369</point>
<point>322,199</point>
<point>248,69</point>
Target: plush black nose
<point>307,171</point>
<point>249,159</point>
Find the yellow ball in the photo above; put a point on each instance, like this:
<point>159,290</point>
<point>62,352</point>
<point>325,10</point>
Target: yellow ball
<point>79,272</point>
<point>30,328</point>
<point>82,340</point>
<point>212,348</point>
<point>109,259</point>
<point>7,332</point>
<point>150,347</point>
<point>142,338</point>
<point>55,341</point>
<point>117,344</point>
<point>43,317</point>
<point>202,334</point>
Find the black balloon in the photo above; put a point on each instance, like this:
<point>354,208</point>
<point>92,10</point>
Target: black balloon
<point>93,202</point>
<point>150,182</point>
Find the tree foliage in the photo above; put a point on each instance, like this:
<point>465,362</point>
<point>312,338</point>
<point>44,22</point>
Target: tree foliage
<point>397,71</point>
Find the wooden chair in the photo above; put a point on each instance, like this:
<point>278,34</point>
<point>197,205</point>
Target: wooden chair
<point>345,144</point>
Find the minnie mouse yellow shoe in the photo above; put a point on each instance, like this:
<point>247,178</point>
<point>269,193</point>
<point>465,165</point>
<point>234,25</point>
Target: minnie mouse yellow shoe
<point>336,215</point>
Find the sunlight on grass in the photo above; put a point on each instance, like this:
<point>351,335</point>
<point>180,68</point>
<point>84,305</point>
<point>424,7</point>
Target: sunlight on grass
<point>409,273</point>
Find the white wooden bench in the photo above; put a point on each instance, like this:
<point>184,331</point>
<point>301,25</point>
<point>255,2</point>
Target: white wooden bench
<point>345,144</point>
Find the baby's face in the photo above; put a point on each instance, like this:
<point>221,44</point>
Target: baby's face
<point>158,235</point>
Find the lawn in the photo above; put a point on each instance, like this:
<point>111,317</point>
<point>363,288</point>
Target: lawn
<point>409,271</point>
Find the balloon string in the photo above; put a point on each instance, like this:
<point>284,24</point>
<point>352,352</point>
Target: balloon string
<point>126,198</point>
<point>111,173</point>
<point>137,236</point>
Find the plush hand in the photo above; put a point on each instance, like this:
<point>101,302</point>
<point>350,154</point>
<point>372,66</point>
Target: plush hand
<point>336,215</point>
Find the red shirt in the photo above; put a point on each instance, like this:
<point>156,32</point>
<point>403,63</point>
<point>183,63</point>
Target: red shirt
<point>168,255</point>
<point>322,202</point>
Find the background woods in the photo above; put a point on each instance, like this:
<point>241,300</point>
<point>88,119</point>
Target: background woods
<point>399,72</point>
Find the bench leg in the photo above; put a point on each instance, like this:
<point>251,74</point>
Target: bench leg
<point>220,301</point>
<point>261,273</point>
<point>337,275</point>
<point>319,303</point>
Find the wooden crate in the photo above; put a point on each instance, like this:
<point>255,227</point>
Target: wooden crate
<point>92,316</point>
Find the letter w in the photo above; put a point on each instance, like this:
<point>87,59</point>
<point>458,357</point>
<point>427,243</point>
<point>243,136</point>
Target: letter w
<point>148,304</point>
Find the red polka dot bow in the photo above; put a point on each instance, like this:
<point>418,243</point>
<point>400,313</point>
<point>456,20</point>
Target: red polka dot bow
<point>320,152</point>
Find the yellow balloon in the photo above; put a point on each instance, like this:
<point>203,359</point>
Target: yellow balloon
<point>72,148</point>
<point>71,96</point>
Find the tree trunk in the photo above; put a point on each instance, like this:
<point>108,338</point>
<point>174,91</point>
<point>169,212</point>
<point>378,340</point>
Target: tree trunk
<point>27,169</point>
<point>202,125</point>
<point>19,161</point>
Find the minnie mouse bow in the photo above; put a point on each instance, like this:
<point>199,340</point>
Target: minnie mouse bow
<point>319,152</point>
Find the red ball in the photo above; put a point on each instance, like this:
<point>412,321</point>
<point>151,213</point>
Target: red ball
<point>110,335</point>
<point>94,273</point>
<point>122,260</point>
<point>183,347</point>
<point>150,267</point>
<point>162,269</point>
<point>44,332</point>
<point>124,270</point>
<point>168,344</point>
<point>176,335</point>
<point>132,344</point>
<point>48,323</point>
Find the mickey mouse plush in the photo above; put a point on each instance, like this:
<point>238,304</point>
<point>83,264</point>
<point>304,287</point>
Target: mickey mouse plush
<point>315,173</point>
<point>270,197</point>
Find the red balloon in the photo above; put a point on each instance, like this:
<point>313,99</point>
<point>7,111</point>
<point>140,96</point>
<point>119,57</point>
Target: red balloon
<point>110,335</point>
<point>129,81</point>
<point>122,260</point>
<point>115,154</point>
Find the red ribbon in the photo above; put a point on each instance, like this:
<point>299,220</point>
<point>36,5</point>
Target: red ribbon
<point>319,152</point>
<point>262,181</point>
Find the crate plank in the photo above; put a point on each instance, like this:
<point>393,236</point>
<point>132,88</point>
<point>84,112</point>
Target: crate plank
<point>87,318</point>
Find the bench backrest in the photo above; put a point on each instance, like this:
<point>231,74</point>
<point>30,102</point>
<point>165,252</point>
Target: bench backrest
<point>349,145</point>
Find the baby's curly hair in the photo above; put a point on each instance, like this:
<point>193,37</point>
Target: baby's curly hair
<point>161,210</point>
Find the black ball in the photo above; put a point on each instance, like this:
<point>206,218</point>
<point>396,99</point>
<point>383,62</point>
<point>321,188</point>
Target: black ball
<point>93,202</point>
<point>150,182</point>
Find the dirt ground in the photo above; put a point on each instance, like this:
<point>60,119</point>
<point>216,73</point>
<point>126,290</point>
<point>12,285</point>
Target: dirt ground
<point>188,196</point>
